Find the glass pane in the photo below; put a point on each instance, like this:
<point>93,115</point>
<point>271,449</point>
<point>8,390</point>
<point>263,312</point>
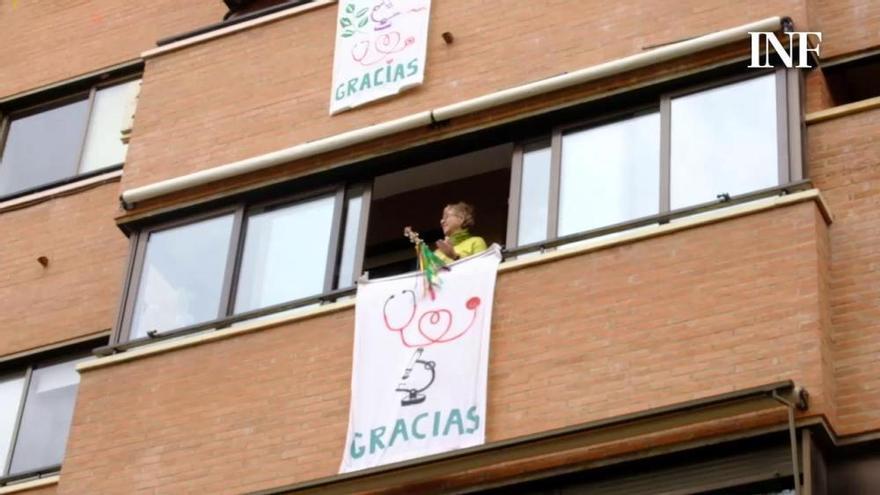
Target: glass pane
<point>111,111</point>
<point>724,141</point>
<point>45,423</point>
<point>182,278</point>
<point>349,242</point>
<point>285,254</point>
<point>43,147</point>
<point>610,174</point>
<point>534,196</point>
<point>10,401</point>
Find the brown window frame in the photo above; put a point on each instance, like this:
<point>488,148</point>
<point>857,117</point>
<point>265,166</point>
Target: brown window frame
<point>790,146</point>
<point>28,361</point>
<point>241,211</point>
<point>790,129</point>
<point>17,110</point>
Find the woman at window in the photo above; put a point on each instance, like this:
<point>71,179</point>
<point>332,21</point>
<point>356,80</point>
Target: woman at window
<point>458,243</point>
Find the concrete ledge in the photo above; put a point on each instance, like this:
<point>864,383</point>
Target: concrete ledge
<point>30,485</point>
<point>812,195</point>
<point>66,189</point>
<point>843,110</point>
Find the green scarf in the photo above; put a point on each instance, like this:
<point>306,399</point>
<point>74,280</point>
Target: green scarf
<point>459,237</point>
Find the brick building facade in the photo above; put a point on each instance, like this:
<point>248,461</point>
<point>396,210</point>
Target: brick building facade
<point>705,321</point>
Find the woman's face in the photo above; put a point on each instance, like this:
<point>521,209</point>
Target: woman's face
<point>451,221</point>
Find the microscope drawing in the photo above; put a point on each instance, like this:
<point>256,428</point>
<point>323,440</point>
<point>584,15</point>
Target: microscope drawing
<point>414,392</point>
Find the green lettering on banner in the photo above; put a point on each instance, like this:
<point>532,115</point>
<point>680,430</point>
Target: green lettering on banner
<point>376,74</point>
<point>356,451</point>
<point>436,423</point>
<point>376,438</point>
<point>399,429</point>
<point>474,418</point>
<point>415,426</point>
<point>340,93</point>
<point>352,87</point>
<point>413,67</point>
<point>454,418</point>
<point>365,82</point>
<point>398,72</point>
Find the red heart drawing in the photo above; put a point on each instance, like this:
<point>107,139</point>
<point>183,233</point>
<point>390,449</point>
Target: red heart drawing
<point>434,325</point>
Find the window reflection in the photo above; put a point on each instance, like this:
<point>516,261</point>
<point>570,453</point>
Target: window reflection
<point>104,146</point>
<point>535,194</point>
<point>182,277</point>
<point>285,254</point>
<point>610,174</point>
<point>724,140</point>
<point>10,400</point>
<point>43,147</point>
<point>45,422</point>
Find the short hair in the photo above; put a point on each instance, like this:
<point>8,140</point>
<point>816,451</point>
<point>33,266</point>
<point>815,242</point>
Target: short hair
<point>465,211</point>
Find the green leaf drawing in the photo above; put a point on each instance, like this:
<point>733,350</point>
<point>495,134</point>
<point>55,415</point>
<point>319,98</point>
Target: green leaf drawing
<point>349,8</point>
<point>345,22</point>
<point>362,12</point>
<point>347,33</point>
<point>363,22</point>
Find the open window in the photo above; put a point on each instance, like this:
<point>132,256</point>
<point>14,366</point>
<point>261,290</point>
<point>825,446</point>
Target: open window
<point>416,197</point>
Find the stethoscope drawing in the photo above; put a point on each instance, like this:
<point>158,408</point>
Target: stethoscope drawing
<point>430,319</point>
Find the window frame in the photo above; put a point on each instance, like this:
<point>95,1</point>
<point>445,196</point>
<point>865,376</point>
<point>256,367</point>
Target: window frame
<point>789,135</point>
<point>29,361</point>
<point>789,119</point>
<point>241,210</point>
<point>88,94</point>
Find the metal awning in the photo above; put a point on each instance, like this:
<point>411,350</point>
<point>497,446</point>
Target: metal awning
<point>436,467</point>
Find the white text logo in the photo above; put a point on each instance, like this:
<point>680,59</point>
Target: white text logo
<point>764,41</point>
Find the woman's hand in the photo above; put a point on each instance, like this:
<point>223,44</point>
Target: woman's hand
<point>446,248</point>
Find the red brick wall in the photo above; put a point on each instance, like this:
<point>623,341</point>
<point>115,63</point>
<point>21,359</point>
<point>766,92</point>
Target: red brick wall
<point>48,41</point>
<point>847,26</point>
<point>845,164</point>
<point>278,94</point>
<point>78,293</point>
<point>705,311</point>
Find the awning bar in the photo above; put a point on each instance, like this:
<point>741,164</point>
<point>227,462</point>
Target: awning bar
<point>623,427</point>
<point>331,143</point>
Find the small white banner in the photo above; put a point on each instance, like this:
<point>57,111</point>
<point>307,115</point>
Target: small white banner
<point>418,383</point>
<point>380,50</point>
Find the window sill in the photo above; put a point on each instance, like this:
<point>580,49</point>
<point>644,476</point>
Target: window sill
<point>575,249</point>
<point>843,110</point>
<point>30,485</point>
<point>61,190</point>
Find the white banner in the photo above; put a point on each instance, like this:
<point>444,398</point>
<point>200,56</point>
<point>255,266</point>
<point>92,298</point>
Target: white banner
<point>418,383</point>
<point>380,50</point>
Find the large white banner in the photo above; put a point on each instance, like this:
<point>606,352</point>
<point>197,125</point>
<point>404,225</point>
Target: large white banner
<point>380,50</point>
<point>419,372</point>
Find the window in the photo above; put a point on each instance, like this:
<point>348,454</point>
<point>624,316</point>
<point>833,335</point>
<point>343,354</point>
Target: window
<point>246,258</point>
<point>687,149</point>
<point>36,408</point>
<point>416,196</point>
<point>853,79</point>
<point>72,137</point>
<point>674,151</point>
